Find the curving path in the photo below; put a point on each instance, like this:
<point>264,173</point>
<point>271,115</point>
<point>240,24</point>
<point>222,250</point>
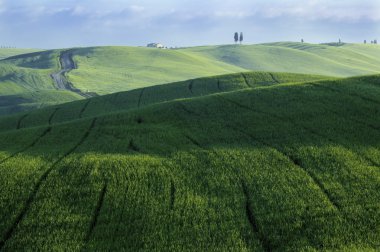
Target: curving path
<point>67,64</point>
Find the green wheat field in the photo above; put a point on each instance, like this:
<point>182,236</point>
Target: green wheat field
<point>271,147</point>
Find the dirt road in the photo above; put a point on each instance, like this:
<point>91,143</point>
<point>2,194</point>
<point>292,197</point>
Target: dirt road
<point>67,64</point>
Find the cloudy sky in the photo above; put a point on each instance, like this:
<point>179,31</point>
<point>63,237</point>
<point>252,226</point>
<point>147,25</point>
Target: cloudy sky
<point>67,23</point>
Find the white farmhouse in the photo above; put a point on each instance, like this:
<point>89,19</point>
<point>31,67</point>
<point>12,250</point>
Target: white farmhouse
<point>156,45</point>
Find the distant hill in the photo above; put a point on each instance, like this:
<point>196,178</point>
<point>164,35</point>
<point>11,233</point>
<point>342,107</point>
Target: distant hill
<point>344,61</point>
<point>9,52</point>
<point>254,161</point>
<point>25,81</point>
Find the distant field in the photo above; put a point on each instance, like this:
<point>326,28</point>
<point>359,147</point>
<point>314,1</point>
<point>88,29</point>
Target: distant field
<point>106,70</point>
<point>8,52</point>
<point>343,61</point>
<point>241,162</point>
<point>25,82</point>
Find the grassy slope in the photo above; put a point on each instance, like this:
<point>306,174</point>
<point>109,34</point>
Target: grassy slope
<point>25,82</point>
<point>9,52</point>
<point>155,94</point>
<point>298,57</point>
<point>107,70</point>
<point>272,167</point>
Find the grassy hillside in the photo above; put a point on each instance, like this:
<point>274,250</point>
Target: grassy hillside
<point>343,61</point>
<point>9,52</point>
<point>106,70</point>
<point>260,162</point>
<point>25,82</point>
<point>156,94</point>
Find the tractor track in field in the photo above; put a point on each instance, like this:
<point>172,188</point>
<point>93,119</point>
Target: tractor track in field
<point>116,96</point>
<point>172,194</point>
<point>372,162</point>
<point>353,95</point>
<point>297,125</point>
<point>218,85</point>
<point>274,78</point>
<point>345,93</point>
<point>42,179</point>
<point>47,131</point>
<point>67,64</point>
<point>132,146</point>
<point>296,162</point>
<point>18,126</point>
<point>188,111</point>
<point>351,118</point>
<point>84,108</point>
<point>119,219</point>
<point>246,80</point>
<point>248,210</point>
<point>140,97</point>
<point>275,116</point>
<point>52,115</point>
<point>193,141</point>
<point>96,213</point>
<point>253,222</point>
<point>190,86</point>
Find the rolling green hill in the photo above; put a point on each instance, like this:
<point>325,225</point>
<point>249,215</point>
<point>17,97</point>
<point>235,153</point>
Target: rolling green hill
<point>25,80</point>
<point>343,61</point>
<point>9,52</point>
<point>243,162</point>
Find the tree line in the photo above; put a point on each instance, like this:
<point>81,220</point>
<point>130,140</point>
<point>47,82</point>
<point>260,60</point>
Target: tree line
<point>238,38</point>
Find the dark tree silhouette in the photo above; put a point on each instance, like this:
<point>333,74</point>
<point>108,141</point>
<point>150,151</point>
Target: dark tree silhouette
<point>365,41</point>
<point>241,38</point>
<point>375,41</point>
<point>302,41</point>
<point>236,37</point>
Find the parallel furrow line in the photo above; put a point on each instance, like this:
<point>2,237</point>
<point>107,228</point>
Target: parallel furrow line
<point>250,215</point>
<point>119,222</point>
<point>20,121</point>
<point>218,85</point>
<point>190,87</point>
<point>95,215</point>
<point>275,116</point>
<point>246,80</point>
<point>346,93</point>
<point>253,222</point>
<point>32,196</point>
<point>52,115</point>
<point>296,163</point>
<point>274,78</point>
<point>84,108</point>
<point>29,146</point>
<point>140,96</point>
<point>172,194</point>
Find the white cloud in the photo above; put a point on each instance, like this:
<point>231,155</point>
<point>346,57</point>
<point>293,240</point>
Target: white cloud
<point>187,18</point>
<point>240,14</point>
<point>79,10</point>
<point>137,8</point>
<point>2,6</point>
<point>349,11</point>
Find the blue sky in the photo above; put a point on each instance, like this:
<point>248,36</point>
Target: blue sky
<point>67,23</point>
